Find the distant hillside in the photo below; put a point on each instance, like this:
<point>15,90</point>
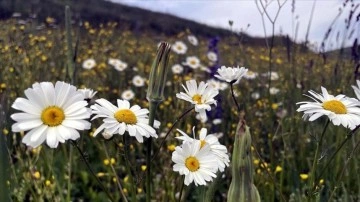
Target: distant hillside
<point>135,19</point>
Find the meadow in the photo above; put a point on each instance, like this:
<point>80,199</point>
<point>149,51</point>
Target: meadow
<point>117,62</point>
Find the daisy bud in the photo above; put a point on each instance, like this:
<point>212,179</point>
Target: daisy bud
<point>242,188</point>
<point>157,79</point>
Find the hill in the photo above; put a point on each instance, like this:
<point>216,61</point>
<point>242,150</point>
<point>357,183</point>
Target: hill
<point>135,19</point>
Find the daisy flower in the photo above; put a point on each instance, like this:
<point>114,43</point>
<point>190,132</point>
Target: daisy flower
<point>231,74</point>
<point>196,163</point>
<point>274,90</point>
<point>340,109</point>
<point>179,47</point>
<point>273,76</point>
<point>212,56</point>
<point>192,61</point>
<point>177,69</point>
<point>118,64</point>
<point>218,85</point>
<point>51,113</point>
<point>201,96</point>
<point>113,62</point>
<point>219,150</point>
<point>357,89</point>
<point>250,75</point>
<point>138,81</point>
<point>193,40</point>
<point>121,118</point>
<point>127,95</point>
<point>88,93</point>
<point>89,64</point>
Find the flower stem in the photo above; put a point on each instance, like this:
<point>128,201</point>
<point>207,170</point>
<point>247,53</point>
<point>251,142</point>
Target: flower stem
<point>348,136</point>
<point>69,53</point>
<point>233,96</point>
<point>152,109</point>
<point>181,188</point>
<point>315,162</point>
<point>128,169</point>
<point>344,168</point>
<point>169,131</point>
<point>91,170</point>
<point>4,169</point>
<point>68,196</point>
<point>117,177</point>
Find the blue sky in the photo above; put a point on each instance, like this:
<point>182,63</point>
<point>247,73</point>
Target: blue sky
<point>245,12</point>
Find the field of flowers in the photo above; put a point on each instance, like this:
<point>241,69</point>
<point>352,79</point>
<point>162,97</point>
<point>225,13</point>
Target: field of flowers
<point>117,65</point>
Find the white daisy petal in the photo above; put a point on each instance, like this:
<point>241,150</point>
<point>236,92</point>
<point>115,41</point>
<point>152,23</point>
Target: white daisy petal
<point>340,110</point>
<point>123,118</point>
<point>44,113</point>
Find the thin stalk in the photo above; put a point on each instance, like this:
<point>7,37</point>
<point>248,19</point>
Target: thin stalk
<point>128,169</point>
<point>343,170</point>
<point>233,96</point>
<point>182,187</point>
<point>68,195</point>
<point>116,176</point>
<point>91,170</point>
<point>262,162</point>
<point>315,162</point>
<point>69,52</point>
<point>337,150</point>
<point>172,127</point>
<point>152,110</point>
<point>4,169</point>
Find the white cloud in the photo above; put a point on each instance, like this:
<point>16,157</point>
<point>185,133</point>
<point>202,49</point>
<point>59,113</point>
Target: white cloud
<point>218,13</point>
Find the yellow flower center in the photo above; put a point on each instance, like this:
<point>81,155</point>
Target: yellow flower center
<point>202,143</point>
<point>126,116</point>
<point>52,116</point>
<point>192,163</point>
<point>197,98</point>
<point>193,62</point>
<point>335,106</point>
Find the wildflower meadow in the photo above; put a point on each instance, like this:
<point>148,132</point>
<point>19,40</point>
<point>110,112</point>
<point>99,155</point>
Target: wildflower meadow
<point>99,112</point>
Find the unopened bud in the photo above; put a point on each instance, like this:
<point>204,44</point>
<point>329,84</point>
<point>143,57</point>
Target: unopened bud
<point>158,74</point>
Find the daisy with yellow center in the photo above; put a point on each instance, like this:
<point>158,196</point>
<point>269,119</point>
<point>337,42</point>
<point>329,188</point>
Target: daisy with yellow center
<point>51,113</point>
<point>219,150</point>
<point>89,64</point>
<point>179,47</point>
<point>201,96</point>
<point>123,118</point>
<point>340,109</point>
<point>192,61</point>
<point>197,163</point>
<point>231,74</point>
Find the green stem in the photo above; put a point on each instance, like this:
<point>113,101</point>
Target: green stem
<point>128,169</point>
<point>91,170</point>
<point>182,187</point>
<point>69,52</point>
<point>348,136</point>
<point>343,170</point>
<point>152,109</point>
<point>315,161</point>
<point>4,169</point>
<point>116,176</point>
<point>172,127</point>
<point>68,196</point>
<point>233,96</point>
<point>272,178</point>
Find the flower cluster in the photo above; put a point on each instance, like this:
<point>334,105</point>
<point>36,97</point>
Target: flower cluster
<point>200,159</point>
<point>57,113</point>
